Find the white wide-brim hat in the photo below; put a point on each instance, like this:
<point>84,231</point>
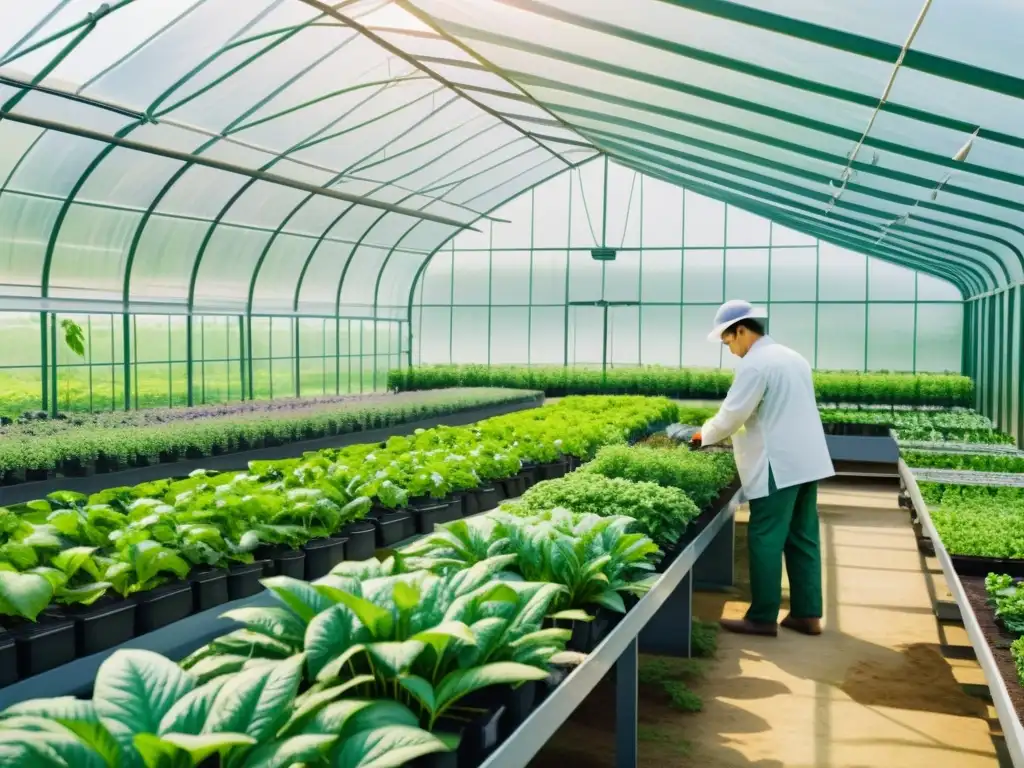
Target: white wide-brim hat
<point>732,312</point>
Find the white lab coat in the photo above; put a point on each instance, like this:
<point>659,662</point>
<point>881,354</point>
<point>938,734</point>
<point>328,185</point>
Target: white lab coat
<point>771,415</point>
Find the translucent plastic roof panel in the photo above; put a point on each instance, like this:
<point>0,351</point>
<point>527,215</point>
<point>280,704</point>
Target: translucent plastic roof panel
<point>885,125</point>
<point>273,155</point>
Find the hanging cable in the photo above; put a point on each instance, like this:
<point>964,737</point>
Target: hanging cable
<point>847,173</point>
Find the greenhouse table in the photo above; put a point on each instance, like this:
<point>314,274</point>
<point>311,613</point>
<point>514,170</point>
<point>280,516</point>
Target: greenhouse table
<point>618,651</point>
<point>1013,732</point>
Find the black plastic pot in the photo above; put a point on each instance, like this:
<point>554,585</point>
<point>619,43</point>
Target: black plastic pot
<point>168,457</point>
<point>290,562</point>
<point>108,622</point>
<point>38,475</point>
<point>438,513</point>
<point>322,555</point>
<point>478,737</point>
<point>209,588</point>
<point>44,645</point>
<point>552,471</point>
<point>529,476</point>
<point>435,760</point>
<point>145,461</point>
<point>362,540</point>
<point>107,464</point>
<point>486,498</point>
<point>519,703</point>
<point>391,527</point>
<point>76,468</point>
<point>244,580</point>
<point>8,659</point>
<point>586,635</point>
<point>470,504</point>
<point>162,606</point>
<point>500,491</point>
<point>515,486</point>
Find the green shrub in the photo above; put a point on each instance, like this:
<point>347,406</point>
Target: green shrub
<point>661,513</point>
<point>701,476</point>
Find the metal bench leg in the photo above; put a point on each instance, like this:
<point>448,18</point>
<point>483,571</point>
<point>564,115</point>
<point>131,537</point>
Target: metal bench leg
<point>626,706</point>
<point>713,571</point>
<point>668,633</point>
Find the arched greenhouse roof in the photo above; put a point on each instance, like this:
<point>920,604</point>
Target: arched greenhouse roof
<point>295,156</point>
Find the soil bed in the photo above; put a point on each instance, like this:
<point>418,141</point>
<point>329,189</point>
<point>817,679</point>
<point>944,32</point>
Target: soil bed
<point>998,639</point>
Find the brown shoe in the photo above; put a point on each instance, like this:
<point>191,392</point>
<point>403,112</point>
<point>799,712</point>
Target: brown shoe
<point>803,626</point>
<point>745,627</point>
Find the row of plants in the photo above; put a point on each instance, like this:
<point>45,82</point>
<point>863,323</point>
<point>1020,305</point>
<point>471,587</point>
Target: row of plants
<point>959,425</point>
<point>104,568</point>
<point>1006,598</point>
<point>977,520</point>
<point>427,658</point>
<point>968,462</point>
<point>687,383</point>
<point>40,422</point>
<point>26,456</point>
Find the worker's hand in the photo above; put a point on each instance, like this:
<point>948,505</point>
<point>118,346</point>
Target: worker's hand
<point>695,442</point>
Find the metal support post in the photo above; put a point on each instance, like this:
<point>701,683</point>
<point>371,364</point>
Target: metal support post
<point>627,709</point>
<point>713,571</point>
<point>668,633</point>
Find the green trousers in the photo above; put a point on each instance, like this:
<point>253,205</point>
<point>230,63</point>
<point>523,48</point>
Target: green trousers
<point>784,524</point>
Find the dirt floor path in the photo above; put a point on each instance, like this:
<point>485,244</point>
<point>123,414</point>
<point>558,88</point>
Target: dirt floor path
<point>875,690</point>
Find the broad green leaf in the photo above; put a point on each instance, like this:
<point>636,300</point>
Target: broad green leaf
<point>373,617</point>
<point>407,597</point>
<point>87,594</point>
<point>215,665</point>
<point>273,621</point>
<point>421,689</point>
<point>394,658</point>
<point>134,690</point>
<point>157,753</point>
<point>23,594</point>
<point>72,560</point>
<point>33,749</point>
<point>312,701</point>
<point>256,702</point>
<point>572,614</point>
<point>611,600</point>
<point>462,682</point>
<point>300,596</point>
<point>440,636</point>
<point>243,642</point>
<point>297,749</point>
<point>327,636</point>
<point>332,718</point>
<point>76,715</point>
<point>548,636</point>
<point>207,744</point>
<point>336,666</point>
<point>388,747</point>
<point>189,713</point>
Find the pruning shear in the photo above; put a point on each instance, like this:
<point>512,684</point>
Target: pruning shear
<point>690,436</point>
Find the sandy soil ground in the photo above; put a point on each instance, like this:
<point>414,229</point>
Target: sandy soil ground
<point>876,689</point>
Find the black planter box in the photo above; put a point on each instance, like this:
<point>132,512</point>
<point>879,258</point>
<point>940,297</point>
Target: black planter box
<point>290,562</point>
<point>38,475</point>
<point>107,464</point>
<point>168,457</point>
<point>322,555</point>
<point>519,703</point>
<point>529,476</point>
<point>586,635</point>
<point>436,760</point>
<point>8,659</point>
<point>162,606</point>
<point>391,527</point>
<point>77,468</point>
<point>108,622</point>
<point>968,565</point>
<point>43,646</point>
<point>470,504</point>
<point>438,513</point>
<point>482,733</point>
<point>209,588</point>
<point>244,580</point>
<point>362,540</point>
<point>144,461</point>
<point>552,471</point>
<point>486,498</point>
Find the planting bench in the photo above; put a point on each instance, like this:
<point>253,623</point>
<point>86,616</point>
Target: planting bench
<point>1013,731</point>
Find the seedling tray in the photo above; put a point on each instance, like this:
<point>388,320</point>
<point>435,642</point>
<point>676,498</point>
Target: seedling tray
<point>969,565</point>
<point>951,447</point>
<point>966,477</point>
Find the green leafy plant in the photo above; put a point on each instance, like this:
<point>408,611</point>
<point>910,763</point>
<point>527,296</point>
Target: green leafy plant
<point>661,513</point>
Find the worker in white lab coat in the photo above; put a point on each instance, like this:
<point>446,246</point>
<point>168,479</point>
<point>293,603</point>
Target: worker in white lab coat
<point>771,414</point>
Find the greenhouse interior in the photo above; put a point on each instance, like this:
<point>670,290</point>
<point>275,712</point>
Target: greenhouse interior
<point>506,383</point>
